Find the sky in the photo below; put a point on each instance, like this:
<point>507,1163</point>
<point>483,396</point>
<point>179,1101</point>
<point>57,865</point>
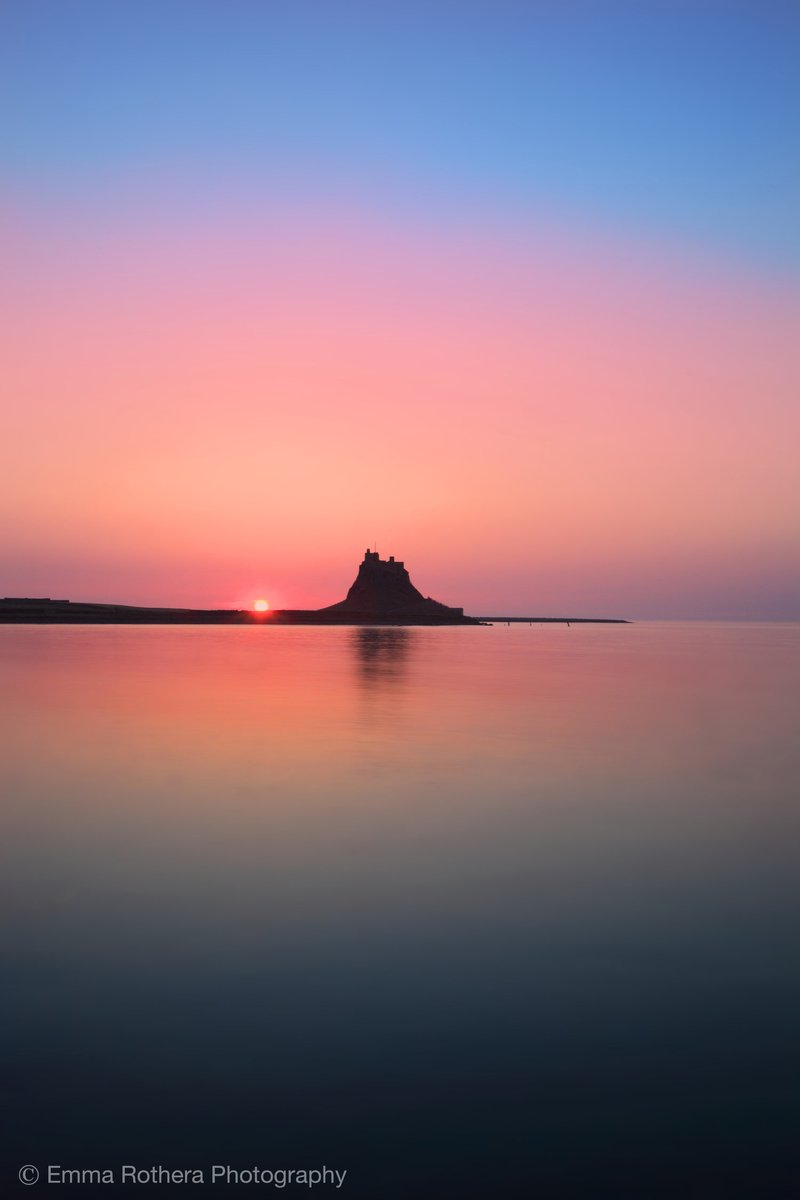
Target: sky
<point>508,290</point>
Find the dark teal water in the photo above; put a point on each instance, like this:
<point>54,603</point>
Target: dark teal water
<point>465,912</point>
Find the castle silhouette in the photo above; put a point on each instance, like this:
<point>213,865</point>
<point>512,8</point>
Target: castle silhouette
<point>383,588</point>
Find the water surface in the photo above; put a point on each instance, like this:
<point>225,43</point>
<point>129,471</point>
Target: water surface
<point>470,912</point>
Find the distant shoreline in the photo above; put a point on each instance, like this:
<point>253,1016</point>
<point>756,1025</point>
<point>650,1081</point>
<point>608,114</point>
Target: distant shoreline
<point>44,611</point>
<point>554,620</point>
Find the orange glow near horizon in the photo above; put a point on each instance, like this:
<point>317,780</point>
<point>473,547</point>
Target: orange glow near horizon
<point>260,606</point>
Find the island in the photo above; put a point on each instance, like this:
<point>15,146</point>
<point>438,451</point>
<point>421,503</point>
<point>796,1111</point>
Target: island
<point>381,594</point>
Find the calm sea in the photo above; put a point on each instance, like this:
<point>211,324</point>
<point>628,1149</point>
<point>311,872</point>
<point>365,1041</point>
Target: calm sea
<point>478,912</point>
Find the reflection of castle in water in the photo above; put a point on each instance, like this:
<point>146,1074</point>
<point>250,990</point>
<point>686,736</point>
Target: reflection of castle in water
<point>381,652</point>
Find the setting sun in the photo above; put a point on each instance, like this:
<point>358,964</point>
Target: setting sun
<point>260,606</point>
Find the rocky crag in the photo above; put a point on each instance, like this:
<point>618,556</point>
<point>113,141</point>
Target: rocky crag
<point>383,589</point>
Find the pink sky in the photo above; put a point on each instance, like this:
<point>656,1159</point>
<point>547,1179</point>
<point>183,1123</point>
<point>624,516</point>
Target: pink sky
<point>210,403</point>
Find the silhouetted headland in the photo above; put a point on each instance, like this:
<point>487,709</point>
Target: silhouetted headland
<point>382,594</point>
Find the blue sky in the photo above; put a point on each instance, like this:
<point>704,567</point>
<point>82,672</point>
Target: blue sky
<point>668,119</point>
